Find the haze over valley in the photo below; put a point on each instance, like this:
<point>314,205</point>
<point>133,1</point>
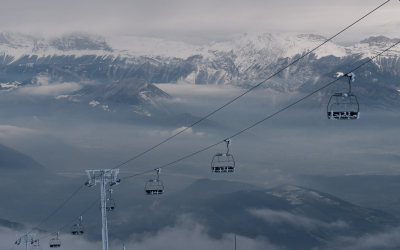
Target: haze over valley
<point>77,101</point>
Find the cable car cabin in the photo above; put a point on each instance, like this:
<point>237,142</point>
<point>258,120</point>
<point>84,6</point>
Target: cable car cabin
<point>77,229</point>
<point>223,163</point>
<point>154,187</point>
<point>55,243</point>
<point>343,106</point>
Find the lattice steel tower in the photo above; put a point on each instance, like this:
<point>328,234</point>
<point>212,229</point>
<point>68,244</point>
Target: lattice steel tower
<point>103,176</point>
<point>25,238</point>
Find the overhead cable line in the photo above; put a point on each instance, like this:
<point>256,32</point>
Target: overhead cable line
<point>233,100</point>
<point>252,88</point>
<point>263,120</point>
<point>240,132</point>
<point>94,203</point>
<point>57,208</point>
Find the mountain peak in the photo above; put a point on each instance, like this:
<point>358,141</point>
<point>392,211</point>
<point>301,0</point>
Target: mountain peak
<point>379,40</point>
<point>78,41</point>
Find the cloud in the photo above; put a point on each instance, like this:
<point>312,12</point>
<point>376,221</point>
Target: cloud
<point>278,217</point>
<point>191,90</point>
<point>187,132</point>
<point>186,234</point>
<point>51,89</point>
<point>68,242</point>
<point>197,21</point>
<point>8,131</point>
<point>164,133</point>
<point>381,241</point>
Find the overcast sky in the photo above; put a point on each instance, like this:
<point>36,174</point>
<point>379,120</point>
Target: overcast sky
<point>202,21</point>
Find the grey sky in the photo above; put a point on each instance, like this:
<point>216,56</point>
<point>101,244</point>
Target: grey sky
<point>199,21</point>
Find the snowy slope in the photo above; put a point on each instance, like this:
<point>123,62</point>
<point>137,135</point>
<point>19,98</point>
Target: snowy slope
<point>246,49</point>
<point>243,61</point>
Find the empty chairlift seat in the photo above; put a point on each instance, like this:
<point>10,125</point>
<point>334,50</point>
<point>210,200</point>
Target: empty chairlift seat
<point>344,106</point>
<point>223,163</point>
<point>36,246</point>
<point>110,203</point>
<point>154,186</point>
<point>78,229</point>
<point>55,242</point>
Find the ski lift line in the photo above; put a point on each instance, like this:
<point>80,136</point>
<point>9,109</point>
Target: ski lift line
<point>175,161</point>
<point>57,208</point>
<point>131,176</point>
<point>254,87</point>
<point>263,120</point>
<point>369,60</point>
<point>273,75</point>
<point>230,136</point>
<point>72,221</point>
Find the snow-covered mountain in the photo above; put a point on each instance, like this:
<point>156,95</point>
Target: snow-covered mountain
<point>244,61</point>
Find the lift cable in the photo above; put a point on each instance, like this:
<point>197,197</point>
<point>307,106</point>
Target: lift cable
<point>142,173</point>
<point>94,203</point>
<point>58,208</point>
<point>252,88</point>
<point>255,124</point>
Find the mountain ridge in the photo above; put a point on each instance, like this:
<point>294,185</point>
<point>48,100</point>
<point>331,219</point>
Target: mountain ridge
<point>243,62</point>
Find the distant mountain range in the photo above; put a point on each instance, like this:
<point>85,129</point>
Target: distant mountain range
<point>243,62</point>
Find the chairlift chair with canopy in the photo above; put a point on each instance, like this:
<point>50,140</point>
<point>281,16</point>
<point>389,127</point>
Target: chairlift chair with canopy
<point>344,106</point>
<point>78,229</point>
<point>223,163</point>
<point>55,242</point>
<point>110,203</point>
<point>154,187</point>
<point>36,246</point>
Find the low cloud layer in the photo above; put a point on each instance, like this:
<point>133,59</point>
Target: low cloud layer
<point>8,131</point>
<point>51,89</point>
<point>382,241</point>
<point>186,234</point>
<point>302,222</point>
<point>165,133</point>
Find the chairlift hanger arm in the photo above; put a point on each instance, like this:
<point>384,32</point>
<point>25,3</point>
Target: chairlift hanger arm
<point>351,76</point>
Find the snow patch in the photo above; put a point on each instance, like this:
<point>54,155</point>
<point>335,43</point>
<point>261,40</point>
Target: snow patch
<point>9,86</point>
<point>339,74</point>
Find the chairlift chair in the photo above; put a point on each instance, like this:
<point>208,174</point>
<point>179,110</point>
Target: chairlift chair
<point>36,246</point>
<point>154,187</point>
<point>344,106</point>
<point>110,203</point>
<point>55,242</point>
<point>223,163</point>
<point>78,229</point>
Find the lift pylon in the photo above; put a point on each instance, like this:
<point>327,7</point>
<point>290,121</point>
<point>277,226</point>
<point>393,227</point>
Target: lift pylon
<point>103,176</point>
<point>25,238</point>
